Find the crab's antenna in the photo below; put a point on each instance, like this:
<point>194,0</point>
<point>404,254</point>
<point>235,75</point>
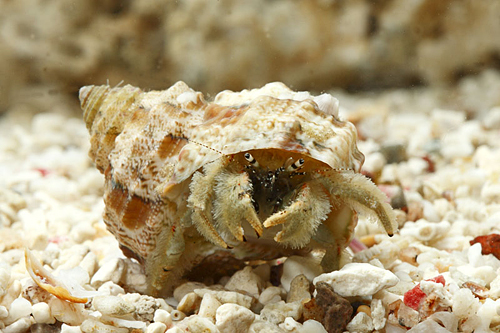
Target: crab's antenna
<point>205,146</point>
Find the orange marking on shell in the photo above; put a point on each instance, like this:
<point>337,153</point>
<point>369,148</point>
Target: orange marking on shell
<point>171,146</point>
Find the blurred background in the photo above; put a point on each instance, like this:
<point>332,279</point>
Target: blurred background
<point>50,48</point>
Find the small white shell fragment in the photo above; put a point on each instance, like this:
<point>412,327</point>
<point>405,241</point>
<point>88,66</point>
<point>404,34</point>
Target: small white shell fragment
<point>360,323</point>
<point>227,296</point>
<point>277,312</point>
<point>67,287</point>
<point>271,294</point>
<point>233,318</point>
<point>70,329</point>
<point>156,328</point>
<point>296,265</point>
<point>41,313</point>
<point>425,231</point>
<point>112,305</point>
<point>291,324</point>
<point>111,270</point>
<point>312,326</point>
<point>208,307</point>
<point>177,315</point>
<point>378,314</point>
<point>358,279</point>
<point>246,281</point>
<point>70,313</point>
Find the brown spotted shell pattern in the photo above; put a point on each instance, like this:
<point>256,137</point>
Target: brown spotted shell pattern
<point>171,162</point>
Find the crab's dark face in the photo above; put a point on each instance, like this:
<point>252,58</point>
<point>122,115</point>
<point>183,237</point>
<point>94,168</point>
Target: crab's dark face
<point>276,177</point>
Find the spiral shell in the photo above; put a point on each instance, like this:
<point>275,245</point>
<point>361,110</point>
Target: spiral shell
<point>149,144</point>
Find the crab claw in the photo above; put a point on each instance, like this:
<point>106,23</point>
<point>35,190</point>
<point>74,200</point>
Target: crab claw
<point>234,204</point>
<point>302,217</point>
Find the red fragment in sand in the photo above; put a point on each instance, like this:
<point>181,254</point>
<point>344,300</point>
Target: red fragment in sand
<point>415,296</point>
<point>43,171</point>
<point>489,244</point>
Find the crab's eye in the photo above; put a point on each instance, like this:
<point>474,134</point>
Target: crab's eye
<point>250,159</point>
<point>297,164</point>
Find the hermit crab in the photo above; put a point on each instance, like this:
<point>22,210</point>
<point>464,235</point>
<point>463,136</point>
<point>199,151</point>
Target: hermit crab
<point>256,174</point>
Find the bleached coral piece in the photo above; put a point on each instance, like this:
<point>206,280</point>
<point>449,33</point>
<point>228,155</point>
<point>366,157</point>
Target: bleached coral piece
<point>426,231</point>
<point>358,279</point>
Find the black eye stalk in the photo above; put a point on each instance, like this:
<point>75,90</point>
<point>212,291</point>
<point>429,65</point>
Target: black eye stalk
<point>297,164</point>
<point>251,159</point>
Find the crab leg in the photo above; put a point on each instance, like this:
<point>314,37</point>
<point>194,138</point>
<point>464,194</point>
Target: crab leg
<point>302,217</point>
<point>200,202</point>
<point>363,196</point>
<point>234,203</point>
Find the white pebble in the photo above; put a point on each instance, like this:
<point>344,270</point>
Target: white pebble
<point>227,296</point>
<point>156,328</point>
<point>19,308</point>
<point>163,316</point>
<point>111,270</point>
<point>20,325</point>
<point>196,323</point>
<point>296,265</point>
<point>378,314</point>
<point>360,323</point>
<point>464,303</point>
<point>233,318</point>
<point>270,295</point>
<point>42,314</point>
<point>358,279</point>
<point>70,329</point>
<point>312,326</point>
<point>429,325</point>
<point>189,303</point>
<point>95,326</point>
<point>111,288</point>
<point>3,312</point>
<point>208,307</point>
<point>277,312</point>
<point>112,305</point>
<point>4,279</point>
<point>245,280</point>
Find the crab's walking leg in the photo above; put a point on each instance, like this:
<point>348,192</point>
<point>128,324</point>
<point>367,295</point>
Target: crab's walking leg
<point>200,201</point>
<point>302,217</point>
<point>359,193</point>
<point>234,203</point>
